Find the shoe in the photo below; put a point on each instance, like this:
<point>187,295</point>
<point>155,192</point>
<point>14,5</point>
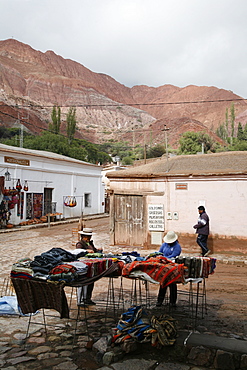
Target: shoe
<point>207,253</point>
<point>173,305</point>
<point>82,304</point>
<point>158,304</point>
<point>89,302</point>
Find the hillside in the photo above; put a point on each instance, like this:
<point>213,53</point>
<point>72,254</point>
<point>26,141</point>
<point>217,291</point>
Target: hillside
<point>32,82</point>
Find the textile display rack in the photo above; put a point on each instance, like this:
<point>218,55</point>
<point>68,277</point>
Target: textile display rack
<point>34,294</point>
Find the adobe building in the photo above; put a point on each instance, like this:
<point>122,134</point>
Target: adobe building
<point>49,183</point>
<point>148,200</point>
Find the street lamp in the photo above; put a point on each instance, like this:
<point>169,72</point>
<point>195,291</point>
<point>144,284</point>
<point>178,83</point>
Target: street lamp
<point>7,176</point>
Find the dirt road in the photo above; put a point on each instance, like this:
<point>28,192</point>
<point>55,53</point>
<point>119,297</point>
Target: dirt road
<point>226,289</point>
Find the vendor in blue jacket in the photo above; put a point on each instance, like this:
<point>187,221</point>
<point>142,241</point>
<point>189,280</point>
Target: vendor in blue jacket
<point>170,249</point>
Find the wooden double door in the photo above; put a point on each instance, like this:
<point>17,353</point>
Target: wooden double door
<point>128,214</point>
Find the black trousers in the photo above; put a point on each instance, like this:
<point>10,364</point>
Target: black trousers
<point>202,242</point>
<point>173,293</point>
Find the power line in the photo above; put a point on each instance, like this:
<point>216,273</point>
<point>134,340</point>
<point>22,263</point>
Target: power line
<point>87,105</point>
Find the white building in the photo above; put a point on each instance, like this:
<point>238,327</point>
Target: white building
<point>53,183</point>
<point>164,195</point>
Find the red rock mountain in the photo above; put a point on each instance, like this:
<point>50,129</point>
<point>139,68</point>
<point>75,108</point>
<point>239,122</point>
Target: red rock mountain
<point>32,82</point>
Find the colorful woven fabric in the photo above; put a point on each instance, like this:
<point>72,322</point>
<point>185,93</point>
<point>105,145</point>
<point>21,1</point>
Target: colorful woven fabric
<point>197,267</point>
<point>97,266</point>
<point>158,268</point>
<point>166,330</point>
<point>133,324</point>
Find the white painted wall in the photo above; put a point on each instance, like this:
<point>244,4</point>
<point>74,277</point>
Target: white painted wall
<point>67,177</point>
<point>224,197</point>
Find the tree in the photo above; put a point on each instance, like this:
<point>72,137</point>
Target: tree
<point>240,133</point>
<point>191,143</point>
<point>156,151</point>
<point>71,123</point>
<point>227,122</point>
<point>221,132</point>
<point>56,120</point>
<point>232,111</point>
<point>245,132</point>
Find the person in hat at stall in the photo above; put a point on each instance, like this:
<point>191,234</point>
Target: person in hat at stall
<point>170,249</point>
<point>84,294</point>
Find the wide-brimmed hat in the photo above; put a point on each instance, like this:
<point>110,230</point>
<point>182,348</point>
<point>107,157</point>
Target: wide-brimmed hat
<point>170,237</point>
<point>86,231</point>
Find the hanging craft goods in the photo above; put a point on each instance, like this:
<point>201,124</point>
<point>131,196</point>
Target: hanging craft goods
<point>25,186</point>
<point>70,201</point>
<point>6,191</point>
<point>66,201</point>
<point>18,185</point>
<point>15,199</point>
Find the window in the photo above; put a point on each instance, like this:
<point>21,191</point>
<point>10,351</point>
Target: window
<point>87,199</point>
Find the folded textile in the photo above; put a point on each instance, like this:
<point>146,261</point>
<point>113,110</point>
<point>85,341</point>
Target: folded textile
<point>22,268</point>
<point>134,324</point>
<point>79,252</point>
<point>158,268</point>
<point>197,267</point>
<point>52,258</point>
<point>81,267</point>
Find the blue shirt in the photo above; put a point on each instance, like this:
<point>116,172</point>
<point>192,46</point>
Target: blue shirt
<point>171,250</point>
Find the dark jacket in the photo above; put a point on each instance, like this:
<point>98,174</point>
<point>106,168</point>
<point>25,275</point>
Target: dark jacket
<point>84,245</point>
<point>202,226</point>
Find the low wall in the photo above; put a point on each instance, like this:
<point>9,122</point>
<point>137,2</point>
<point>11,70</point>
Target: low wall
<point>216,243</point>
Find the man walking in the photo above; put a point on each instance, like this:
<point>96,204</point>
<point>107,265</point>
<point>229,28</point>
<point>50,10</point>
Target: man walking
<point>202,229</point>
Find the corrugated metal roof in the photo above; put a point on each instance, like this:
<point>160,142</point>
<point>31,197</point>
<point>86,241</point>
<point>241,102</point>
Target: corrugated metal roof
<point>225,163</point>
<point>42,153</point>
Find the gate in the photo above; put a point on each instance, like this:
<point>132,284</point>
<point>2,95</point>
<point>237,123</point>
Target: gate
<point>128,220</point>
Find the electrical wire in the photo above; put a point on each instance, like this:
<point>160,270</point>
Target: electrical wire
<point>86,105</point>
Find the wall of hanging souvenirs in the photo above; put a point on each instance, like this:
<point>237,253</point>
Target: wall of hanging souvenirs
<point>34,205</point>
<point>12,197</point>
<point>70,201</point>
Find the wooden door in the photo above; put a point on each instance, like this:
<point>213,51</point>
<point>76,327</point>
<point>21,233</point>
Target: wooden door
<point>48,201</point>
<point>128,220</point>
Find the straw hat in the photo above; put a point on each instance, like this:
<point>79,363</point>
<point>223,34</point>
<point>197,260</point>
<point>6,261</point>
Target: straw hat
<point>86,231</point>
<point>170,237</point>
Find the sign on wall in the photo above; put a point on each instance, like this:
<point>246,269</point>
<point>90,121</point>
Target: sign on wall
<point>23,162</point>
<point>156,217</point>
<point>181,186</point>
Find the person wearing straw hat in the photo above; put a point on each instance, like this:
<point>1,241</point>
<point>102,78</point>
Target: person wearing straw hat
<point>170,249</point>
<point>86,242</point>
<point>84,294</point>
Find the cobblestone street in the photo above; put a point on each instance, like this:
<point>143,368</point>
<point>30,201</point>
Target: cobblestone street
<point>226,303</point>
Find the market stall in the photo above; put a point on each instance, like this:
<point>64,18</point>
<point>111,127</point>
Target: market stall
<point>40,283</point>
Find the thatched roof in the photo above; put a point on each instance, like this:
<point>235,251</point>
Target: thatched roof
<point>226,163</point>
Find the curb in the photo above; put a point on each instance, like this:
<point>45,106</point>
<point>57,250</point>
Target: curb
<point>45,224</point>
<point>190,339</point>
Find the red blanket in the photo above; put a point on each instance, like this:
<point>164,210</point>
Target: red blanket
<point>158,268</point>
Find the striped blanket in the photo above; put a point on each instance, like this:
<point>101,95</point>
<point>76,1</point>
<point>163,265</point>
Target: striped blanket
<point>158,268</point>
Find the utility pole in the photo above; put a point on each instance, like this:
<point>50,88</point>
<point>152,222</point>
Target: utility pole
<point>145,149</point>
<point>166,143</point>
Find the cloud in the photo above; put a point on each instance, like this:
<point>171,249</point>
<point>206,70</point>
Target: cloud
<point>152,42</point>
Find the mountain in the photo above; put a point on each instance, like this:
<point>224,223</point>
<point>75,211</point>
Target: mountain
<point>32,82</point>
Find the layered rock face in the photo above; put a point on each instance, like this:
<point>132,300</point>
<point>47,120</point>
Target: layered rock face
<point>32,82</point>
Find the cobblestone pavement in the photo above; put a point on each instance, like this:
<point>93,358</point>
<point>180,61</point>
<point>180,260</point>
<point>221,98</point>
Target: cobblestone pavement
<point>58,349</point>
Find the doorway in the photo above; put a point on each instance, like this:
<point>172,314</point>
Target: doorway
<point>48,205</point>
<point>128,220</point>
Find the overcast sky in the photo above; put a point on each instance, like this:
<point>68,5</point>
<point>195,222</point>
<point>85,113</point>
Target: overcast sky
<point>139,42</point>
